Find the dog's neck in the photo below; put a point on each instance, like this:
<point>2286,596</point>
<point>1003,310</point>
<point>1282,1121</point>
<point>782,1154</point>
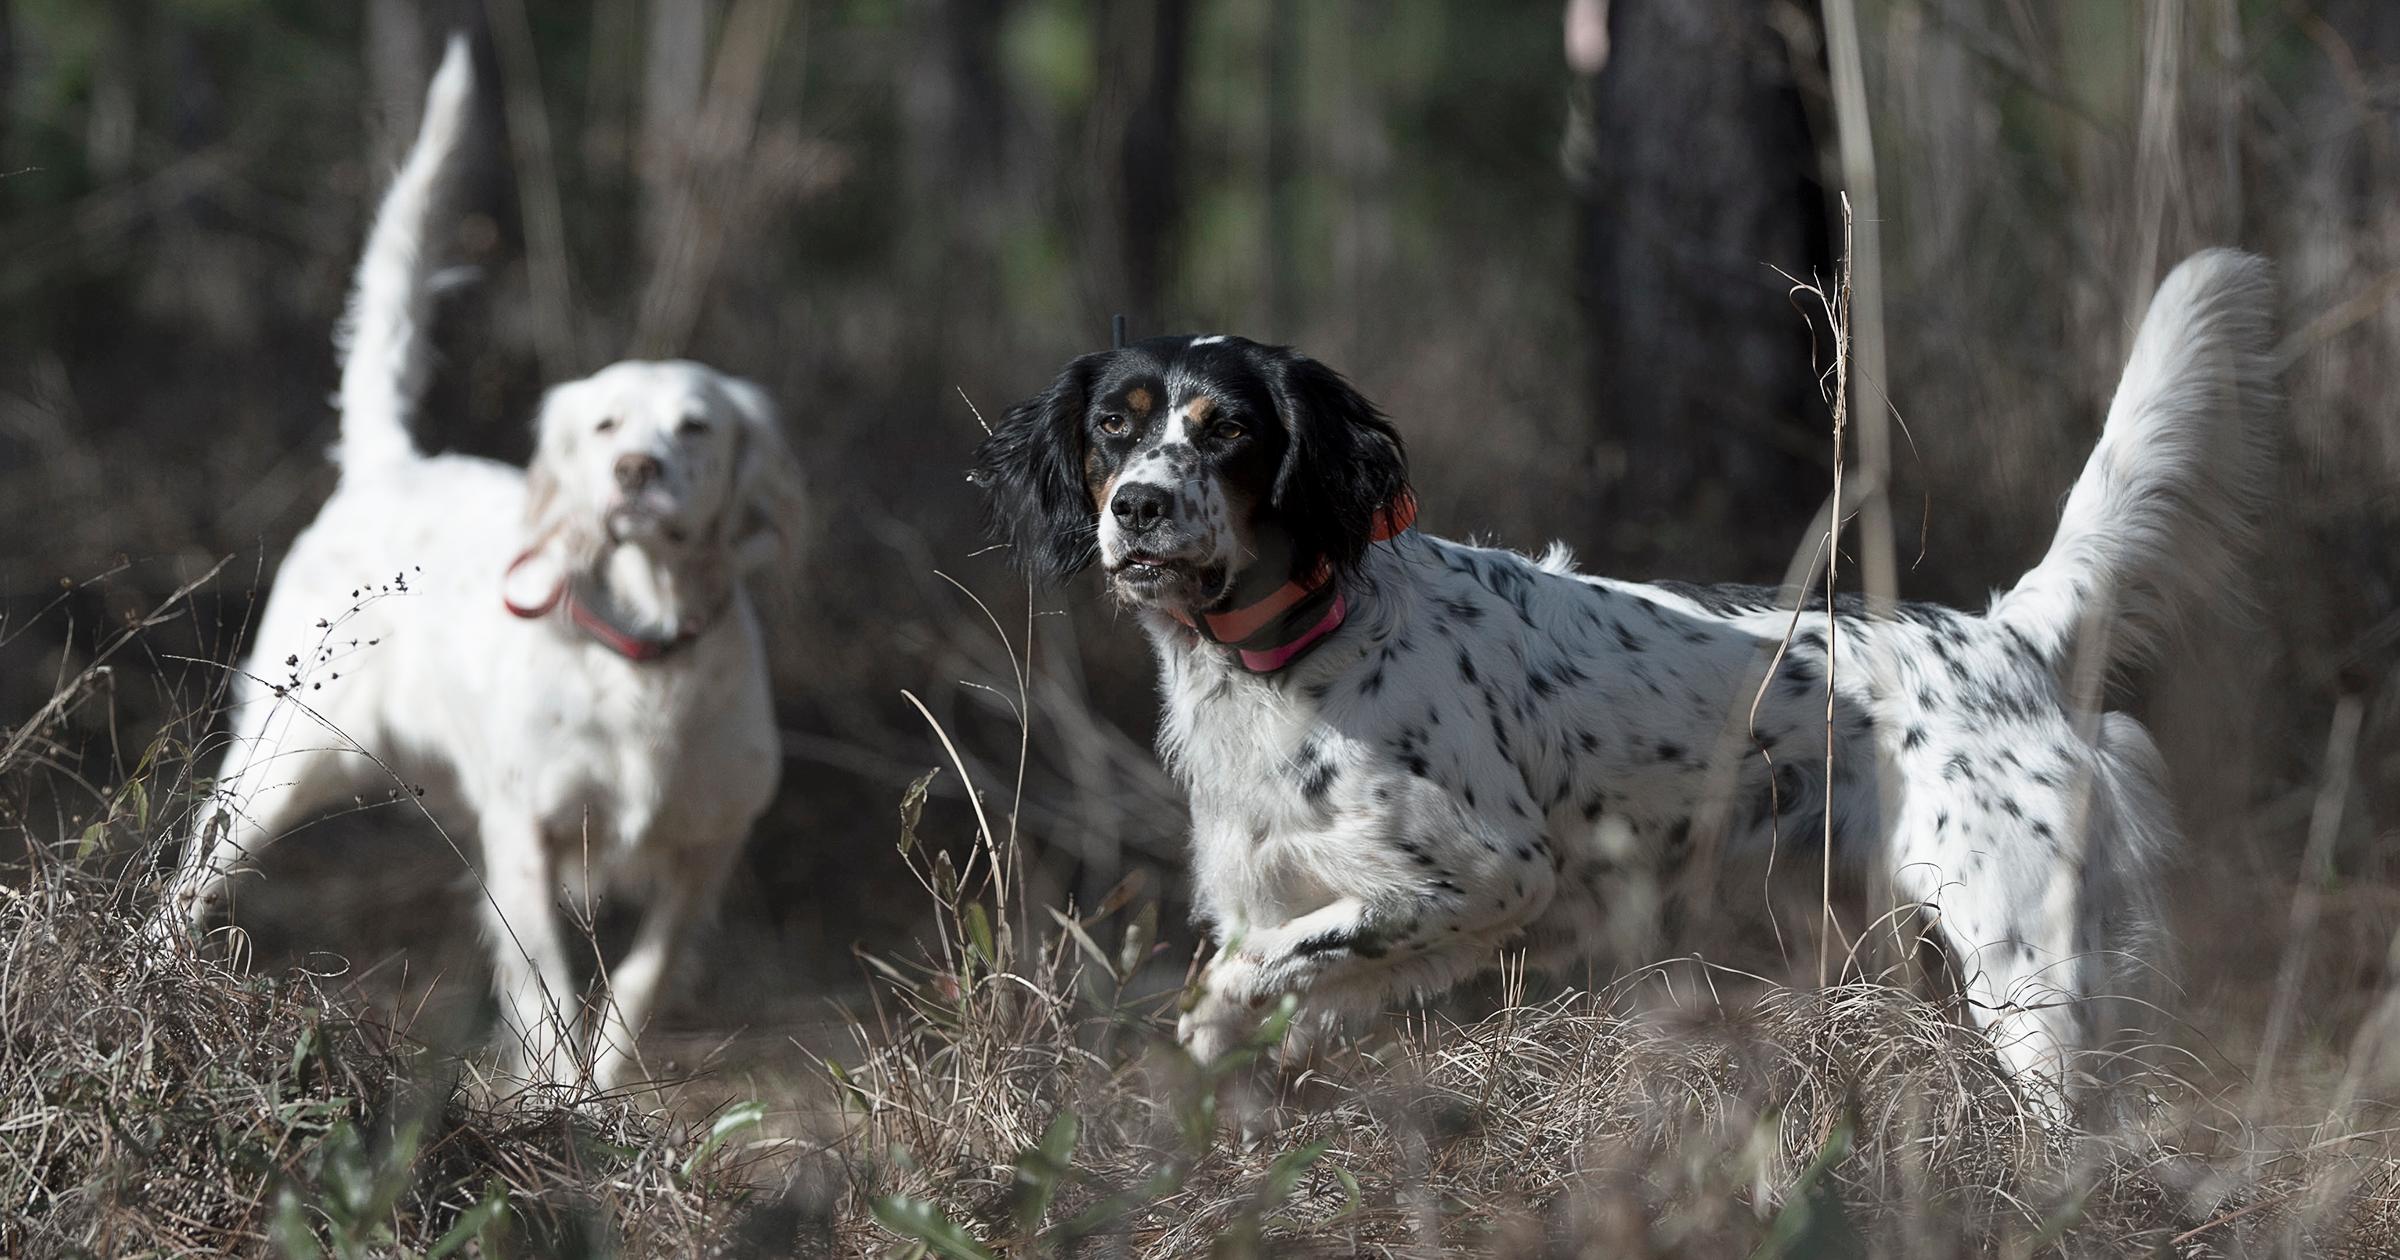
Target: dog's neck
<point>639,599</point>
<point>657,592</point>
<point>1268,625</point>
<point>1207,667</point>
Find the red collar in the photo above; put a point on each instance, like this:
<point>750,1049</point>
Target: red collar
<point>606,633</point>
<point>1275,631</point>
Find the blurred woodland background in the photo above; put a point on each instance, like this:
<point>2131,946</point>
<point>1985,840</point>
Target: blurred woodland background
<point>1551,240</point>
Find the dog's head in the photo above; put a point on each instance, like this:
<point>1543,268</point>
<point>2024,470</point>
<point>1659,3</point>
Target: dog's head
<point>674,458</point>
<point>1201,472</point>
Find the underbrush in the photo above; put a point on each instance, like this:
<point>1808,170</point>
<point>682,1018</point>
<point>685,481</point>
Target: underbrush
<point>1024,1106</point>
<point>155,1102</point>
<point>1016,1091</point>
<point>161,1100</point>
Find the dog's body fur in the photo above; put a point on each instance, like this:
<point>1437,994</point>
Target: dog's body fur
<point>1489,745</point>
<point>387,648</point>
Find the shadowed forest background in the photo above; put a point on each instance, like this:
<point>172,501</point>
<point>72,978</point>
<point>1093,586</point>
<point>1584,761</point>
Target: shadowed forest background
<point>1556,253</point>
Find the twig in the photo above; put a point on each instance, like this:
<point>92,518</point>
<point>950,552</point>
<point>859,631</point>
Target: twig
<point>2324,826</point>
<point>1862,303</point>
<point>556,337</point>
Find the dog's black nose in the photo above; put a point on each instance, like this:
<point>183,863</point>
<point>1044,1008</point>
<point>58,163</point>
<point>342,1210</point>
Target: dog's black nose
<point>1141,506</point>
<point>636,471</point>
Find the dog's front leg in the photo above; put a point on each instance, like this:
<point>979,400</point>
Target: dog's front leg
<point>530,974</point>
<point>633,984</point>
<point>1350,955</point>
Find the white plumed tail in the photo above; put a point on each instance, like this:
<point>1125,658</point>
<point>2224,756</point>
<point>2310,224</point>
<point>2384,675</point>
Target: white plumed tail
<point>2164,511</point>
<point>383,337</point>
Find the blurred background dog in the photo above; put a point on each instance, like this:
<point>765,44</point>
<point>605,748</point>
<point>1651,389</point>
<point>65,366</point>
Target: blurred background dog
<point>565,658</point>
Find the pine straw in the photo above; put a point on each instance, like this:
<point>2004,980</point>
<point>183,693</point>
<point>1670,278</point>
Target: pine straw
<point>1857,1119</point>
<point>156,1102</point>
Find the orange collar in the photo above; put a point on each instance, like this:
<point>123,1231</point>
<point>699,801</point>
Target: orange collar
<point>1270,633</point>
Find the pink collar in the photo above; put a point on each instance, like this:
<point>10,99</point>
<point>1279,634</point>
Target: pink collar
<point>1275,631</point>
<point>606,633</point>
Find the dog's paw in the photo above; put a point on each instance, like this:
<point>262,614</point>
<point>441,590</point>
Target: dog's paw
<point>1209,1031</point>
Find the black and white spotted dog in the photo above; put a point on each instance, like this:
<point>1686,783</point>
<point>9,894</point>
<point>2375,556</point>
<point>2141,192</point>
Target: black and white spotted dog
<point>1405,753</point>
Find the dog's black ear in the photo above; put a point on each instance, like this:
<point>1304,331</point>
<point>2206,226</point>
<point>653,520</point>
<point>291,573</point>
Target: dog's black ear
<point>1031,472</point>
<point>1344,465</point>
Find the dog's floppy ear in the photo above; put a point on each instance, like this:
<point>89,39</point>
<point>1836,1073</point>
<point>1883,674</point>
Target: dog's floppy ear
<point>1344,464</point>
<point>765,517</point>
<point>1031,473</point>
<point>573,540</point>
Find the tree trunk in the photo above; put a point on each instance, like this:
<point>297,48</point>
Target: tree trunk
<point>1698,178</point>
<point>954,106</point>
<point>8,91</point>
<point>1143,53</point>
<point>397,68</point>
<point>674,74</point>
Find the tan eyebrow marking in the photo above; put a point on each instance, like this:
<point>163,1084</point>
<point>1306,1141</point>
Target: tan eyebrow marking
<point>1198,410</point>
<point>1138,400</point>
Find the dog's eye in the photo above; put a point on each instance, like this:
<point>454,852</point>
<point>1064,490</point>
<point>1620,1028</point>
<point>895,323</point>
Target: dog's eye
<point>692,426</point>
<point>1114,426</point>
<point>1227,430</point>
<point>608,425</point>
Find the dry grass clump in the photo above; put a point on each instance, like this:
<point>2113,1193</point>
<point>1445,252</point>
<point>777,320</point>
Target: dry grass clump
<point>1035,1110</point>
<point>156,1101</point>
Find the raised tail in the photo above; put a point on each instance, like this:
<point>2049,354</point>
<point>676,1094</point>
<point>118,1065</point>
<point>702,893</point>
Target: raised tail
<point>383,337</point>
<point>2165,510</point>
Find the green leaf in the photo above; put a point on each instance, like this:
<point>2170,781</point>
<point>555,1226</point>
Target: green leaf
<point>1813,1224</point>
<point>480,1222</point>
<point>945,879</point>
<point>1285,1174</point>
<point>979,935</point>
<point>1042,1167</point>
<point>1135,950</point>
<point>1084,941</point>
<point>848,1090</point>
<point>290,1228</point>
<point>738,1117</point>
<point>924,1221</point>
<point>912,808</point>
<point>1118,897</point>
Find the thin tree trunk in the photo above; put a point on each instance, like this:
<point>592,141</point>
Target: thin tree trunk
<point>397,68</point>
<point>1147,188</point>
<point>1698,179</point>
<point>8,90</point>
<point>674,74</point>
<point>1278,255</point>
<point>955,154</point>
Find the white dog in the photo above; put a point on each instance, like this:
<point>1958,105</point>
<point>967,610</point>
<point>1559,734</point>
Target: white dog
<point>566,654</point>
<point>1406,754</point>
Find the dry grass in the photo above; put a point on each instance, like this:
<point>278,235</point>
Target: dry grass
<point>158,1101</point>
<point>1036,1112</point>
<point>1016,1092</point>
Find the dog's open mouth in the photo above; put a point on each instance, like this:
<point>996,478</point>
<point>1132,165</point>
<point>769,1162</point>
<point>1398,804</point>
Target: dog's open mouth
<point>645,514</point>
<point>1143,571</point>
<point>1150,578</point>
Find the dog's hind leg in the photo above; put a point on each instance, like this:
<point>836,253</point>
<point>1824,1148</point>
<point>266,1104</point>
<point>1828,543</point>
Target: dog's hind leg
<point>2009,928</point>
